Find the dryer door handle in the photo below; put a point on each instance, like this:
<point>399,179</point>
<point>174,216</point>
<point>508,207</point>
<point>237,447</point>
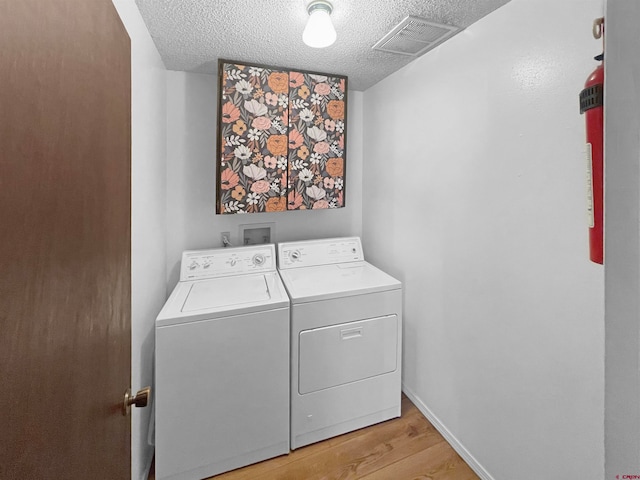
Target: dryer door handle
<point>351,333</point>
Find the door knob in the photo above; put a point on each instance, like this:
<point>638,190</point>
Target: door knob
<point>140,399</point>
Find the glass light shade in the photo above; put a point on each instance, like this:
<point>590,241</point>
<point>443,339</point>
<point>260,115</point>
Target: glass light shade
<point>319,32</point>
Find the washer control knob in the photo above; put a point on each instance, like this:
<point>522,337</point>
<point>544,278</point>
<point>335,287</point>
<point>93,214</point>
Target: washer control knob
<point>193,265</point>
<point>233,262</point>
<point>258,259</point>
<point>295,255</point>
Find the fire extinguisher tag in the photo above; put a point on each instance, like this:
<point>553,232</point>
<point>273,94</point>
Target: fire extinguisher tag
<point>590,187</point>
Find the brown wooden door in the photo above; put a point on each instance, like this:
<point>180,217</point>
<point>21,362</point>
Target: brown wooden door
<point>64,240</point>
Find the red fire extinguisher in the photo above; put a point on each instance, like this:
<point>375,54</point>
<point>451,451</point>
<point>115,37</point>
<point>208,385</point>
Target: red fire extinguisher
<point>591,104</point>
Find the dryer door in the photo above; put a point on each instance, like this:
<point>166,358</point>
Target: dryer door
<point>348,352</point>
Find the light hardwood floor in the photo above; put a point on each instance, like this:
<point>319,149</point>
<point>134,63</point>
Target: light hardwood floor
<point>406,448</point>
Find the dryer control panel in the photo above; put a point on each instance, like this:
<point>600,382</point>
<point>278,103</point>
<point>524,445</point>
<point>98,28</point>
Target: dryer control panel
<point>222,262</point>
<point>319,252</point>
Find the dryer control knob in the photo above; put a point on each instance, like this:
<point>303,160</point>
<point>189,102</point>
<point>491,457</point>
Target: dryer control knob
<point>295,255</point>
<point>258,259</point>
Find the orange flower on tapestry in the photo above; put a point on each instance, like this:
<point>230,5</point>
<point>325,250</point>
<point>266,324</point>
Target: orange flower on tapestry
<point>295,139</point>
<point>279,82</point>
<point>296,79</point>
<point>335,109</point>
<point>277,144</point>
<point>230,113</point>
<point>228,179</point>
<point>276,204</point>
<point>238,193</point>
<point>304,92</point>
<point>239,127</point>
<point>335,167</point>
<point>303,152</point>
<point>295,200</point>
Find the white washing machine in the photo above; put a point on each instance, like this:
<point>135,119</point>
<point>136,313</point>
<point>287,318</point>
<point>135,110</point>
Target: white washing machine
<point>346,328</point>
<point>222,364</point>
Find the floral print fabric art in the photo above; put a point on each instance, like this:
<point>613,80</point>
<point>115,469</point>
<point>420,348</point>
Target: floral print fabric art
<point>254,126</point>
<point>316,141</point>
<point>282,140</point>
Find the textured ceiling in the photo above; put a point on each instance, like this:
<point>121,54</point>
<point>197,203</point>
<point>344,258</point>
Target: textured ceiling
<point>192,34</point>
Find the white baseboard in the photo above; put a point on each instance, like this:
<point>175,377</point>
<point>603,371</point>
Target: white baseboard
<point>448,436</point>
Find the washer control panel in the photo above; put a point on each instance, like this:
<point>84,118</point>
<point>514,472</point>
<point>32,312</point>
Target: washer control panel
<point>319,252</point>
<point>222,262</point>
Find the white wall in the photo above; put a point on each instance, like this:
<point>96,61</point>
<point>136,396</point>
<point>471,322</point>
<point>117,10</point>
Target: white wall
<point>191,177</point>
<point>474,195</point>
<point>622,254</point>
<point>148,222</point>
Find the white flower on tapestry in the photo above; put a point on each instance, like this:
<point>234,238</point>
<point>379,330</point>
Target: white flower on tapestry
<point>316,99</point>
<point>339,126</point>
<point>315,192</point>
<point>254,172</point>
<point>315,158</point>
<point>305,175</point>
<point>306,115</point>
<point>282,162</point>
<point>316,134</point>
<point>319,78</point>
<point>283,101</point>
<point>253,198</point>
<point>244,87</point>
<point>242,152</point>
<point>255,71</point>
<point>254,134</point>
<point>275,187</point>
<point>338,184</point>
<point>255,107</point>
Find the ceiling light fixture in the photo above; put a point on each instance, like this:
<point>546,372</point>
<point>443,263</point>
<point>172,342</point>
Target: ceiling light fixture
<point>319,32</point>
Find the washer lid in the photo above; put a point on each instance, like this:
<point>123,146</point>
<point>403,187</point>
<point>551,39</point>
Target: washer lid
<point>333,281</point>
<point>211,298</point>
<point>225,292</point>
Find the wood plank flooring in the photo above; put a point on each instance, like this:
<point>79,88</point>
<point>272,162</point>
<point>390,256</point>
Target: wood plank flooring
<point>405,448</point>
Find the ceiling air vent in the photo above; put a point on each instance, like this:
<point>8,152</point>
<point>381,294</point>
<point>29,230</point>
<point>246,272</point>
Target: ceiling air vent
<point>414,36</point>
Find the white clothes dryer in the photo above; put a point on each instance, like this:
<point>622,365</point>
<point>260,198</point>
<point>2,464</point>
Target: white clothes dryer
<point>346,329</point>
<point>222,364</point>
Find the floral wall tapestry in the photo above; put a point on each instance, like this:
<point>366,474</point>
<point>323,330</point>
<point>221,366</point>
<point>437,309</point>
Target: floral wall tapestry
<point>316,141</point>
<point>281,140</point>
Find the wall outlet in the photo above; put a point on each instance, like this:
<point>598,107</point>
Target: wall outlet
<point>225,239</point>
